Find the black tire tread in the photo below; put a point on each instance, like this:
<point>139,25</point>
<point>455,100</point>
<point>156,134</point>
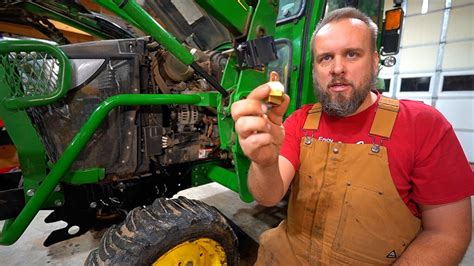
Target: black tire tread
<point>148,232</point>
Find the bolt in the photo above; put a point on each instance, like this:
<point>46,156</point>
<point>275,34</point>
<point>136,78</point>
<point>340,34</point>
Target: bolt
<point>57,188</point>
<point>58,202</point>
<point>93,205</point>
<point>73,230</point>
<point>30,192</point>
<point>121,185</point>
<point>123,161</point>
<point>193,51</point>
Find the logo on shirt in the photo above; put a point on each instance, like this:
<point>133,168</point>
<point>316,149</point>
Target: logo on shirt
<point>323,139</point>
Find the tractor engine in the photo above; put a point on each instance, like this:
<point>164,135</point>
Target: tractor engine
<point>132,140</point>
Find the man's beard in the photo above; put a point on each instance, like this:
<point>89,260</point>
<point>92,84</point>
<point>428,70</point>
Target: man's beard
<point>341,105</point>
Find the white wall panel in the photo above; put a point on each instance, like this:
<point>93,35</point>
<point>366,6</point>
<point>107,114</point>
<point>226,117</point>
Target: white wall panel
<point>461,2</point>
<point>461,23</point>
<point>422,29</point>
<point>459,56</point>
<point>414,6</point>
<point>422,59</point>
<point>460,112</point>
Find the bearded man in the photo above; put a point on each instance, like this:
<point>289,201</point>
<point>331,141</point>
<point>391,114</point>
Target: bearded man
<point>373,180</point>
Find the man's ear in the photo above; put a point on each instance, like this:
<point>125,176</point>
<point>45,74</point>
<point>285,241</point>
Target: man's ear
<point>375,59</point>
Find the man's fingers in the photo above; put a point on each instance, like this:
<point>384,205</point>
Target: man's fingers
<point>277,112</point>
<point>260,93</point>
<point>254,105</point>
<point>255,142</point>
<point>248,125</point>
<point>247,107</point>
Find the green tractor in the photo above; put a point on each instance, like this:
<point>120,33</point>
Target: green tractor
<point>108,131</point>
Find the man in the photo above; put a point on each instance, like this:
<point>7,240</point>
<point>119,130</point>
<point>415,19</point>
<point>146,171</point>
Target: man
<point>373,180</point>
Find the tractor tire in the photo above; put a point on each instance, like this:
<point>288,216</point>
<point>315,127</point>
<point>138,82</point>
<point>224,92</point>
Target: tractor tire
<point>169,232</point>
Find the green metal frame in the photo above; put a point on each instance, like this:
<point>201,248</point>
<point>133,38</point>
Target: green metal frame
<point>12,102</point>
<point>13,228</point>
<point>257,22</point>
<point>134,13</point>
<point>244,21</point>
<point>31,152</point>
<point>299,31</point>
<point>30,148</point>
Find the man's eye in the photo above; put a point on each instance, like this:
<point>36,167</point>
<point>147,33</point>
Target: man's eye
<point>325,58</point>
<point>352,54</point>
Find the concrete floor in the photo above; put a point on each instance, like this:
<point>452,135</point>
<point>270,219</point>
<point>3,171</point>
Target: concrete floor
<point>253,219</point>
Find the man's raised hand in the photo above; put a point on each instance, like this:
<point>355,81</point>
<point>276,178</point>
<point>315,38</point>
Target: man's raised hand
<point>259,127</point>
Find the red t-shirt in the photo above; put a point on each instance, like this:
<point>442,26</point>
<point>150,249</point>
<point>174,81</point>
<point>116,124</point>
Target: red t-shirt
<point>426,161</point>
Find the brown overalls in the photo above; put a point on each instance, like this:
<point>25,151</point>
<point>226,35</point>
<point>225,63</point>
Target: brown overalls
<point>344,207</point>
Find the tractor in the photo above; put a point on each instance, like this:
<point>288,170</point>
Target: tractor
<point>108,131</point>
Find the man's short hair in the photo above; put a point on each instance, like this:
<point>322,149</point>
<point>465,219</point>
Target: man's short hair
<point>348,13</point>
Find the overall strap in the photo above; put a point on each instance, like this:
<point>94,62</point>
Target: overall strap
<point>314,115</point>
<point>385,116</point>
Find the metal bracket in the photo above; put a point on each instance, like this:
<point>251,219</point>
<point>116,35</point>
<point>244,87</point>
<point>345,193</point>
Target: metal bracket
<point>256,53</point>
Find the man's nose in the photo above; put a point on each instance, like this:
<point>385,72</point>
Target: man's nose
<point>338,66</point>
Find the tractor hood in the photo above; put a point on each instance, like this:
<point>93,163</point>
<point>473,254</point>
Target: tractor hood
<point>184,19</point>
<point>43,15</point>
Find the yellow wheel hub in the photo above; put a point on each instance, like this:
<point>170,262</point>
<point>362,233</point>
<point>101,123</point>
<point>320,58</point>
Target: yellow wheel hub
<point>202,251</point>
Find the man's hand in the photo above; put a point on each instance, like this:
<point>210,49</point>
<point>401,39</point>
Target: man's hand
<point>260,129</point>
<point>261,134</point>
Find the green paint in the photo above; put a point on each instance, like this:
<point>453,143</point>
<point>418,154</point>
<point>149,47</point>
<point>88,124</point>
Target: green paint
<point>224,177</point>
<point>199,174</point>
<point>88,176</point>
<point>150,26</point>
<point>112,7</point>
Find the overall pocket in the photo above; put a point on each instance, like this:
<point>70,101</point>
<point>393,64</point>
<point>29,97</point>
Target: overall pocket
<point>365,231</point>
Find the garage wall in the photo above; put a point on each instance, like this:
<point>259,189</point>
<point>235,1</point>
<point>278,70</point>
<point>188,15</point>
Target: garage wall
<point>436,62</point>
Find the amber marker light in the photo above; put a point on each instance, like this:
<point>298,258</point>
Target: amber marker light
<point>393,19</point>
